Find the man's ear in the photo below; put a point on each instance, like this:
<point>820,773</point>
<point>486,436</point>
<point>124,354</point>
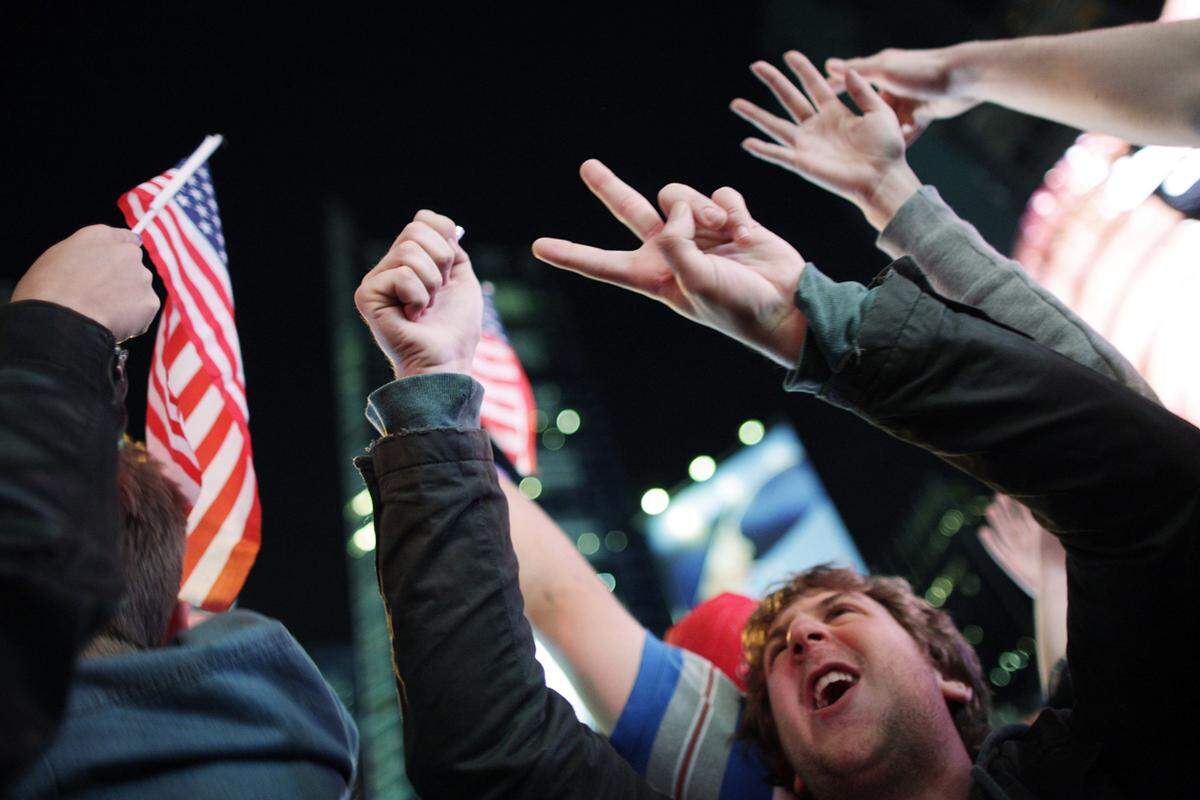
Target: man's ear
<point>955,691</point>
<point>798,786</point>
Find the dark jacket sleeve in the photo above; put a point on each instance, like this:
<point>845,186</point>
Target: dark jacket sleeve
<point>60,420</point>
<point>478,719</point>
<point>1113,475</point>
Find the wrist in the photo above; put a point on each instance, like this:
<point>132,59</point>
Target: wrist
<point>893,189</point>
<point>409,370</point>
<point>964,65</point>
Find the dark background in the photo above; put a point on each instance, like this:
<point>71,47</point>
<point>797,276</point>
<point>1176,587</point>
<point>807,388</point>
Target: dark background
<point>485,112</point>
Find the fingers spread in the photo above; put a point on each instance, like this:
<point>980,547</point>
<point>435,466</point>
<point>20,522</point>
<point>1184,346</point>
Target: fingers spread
<point>778,129</point>
<point>785,91</point>
<point>633,210</point>
<point>603,265</point>
<point>812,81</point>
<point>775,154</point>
<point>709,213</point>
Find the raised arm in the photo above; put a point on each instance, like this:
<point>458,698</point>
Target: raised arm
<point>1139,82</point>
<point>586,627</point>
<point>478,718</point>
<point>61,417</point>
<point>862,159</point>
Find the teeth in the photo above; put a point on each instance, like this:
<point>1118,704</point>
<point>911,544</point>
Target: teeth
<point>823,682</point>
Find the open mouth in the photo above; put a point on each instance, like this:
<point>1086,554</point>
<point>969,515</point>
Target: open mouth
<point>830,686</point>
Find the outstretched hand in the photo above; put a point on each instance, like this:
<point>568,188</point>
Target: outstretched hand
<point>858,157</point>
<point>396,298</point>
<point>710,261</point>
<point>919,85</point>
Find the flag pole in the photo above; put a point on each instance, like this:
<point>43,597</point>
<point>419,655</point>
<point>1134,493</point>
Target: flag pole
<point>192,164</point>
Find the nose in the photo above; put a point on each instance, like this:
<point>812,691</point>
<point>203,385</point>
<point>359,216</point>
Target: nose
<point>804,632</point>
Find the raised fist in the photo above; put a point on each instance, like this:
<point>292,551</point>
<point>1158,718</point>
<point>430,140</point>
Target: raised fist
<point>397,300</point>
<point>96,271</point>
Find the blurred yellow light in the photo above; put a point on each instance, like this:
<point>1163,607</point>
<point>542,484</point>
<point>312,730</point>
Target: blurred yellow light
<point>609,580</point>
<point>567,420</point>
<point>751,432</point>
<point>702,468</point>
<point>1000,677</point>
<point>531,487</point>
<point>361,504</point>
<point>363,539</point>
<point>655,501</point>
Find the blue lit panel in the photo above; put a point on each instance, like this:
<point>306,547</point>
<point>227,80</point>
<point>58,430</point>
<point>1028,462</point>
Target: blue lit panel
<point>763,515</point>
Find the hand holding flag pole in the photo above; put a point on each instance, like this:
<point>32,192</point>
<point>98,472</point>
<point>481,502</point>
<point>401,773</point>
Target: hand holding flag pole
<point>206,148</point>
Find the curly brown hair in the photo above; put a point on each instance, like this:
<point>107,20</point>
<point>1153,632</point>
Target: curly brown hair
<point>931,628</point>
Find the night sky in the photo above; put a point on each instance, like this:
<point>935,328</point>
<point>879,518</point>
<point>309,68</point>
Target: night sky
<point>483,113</point>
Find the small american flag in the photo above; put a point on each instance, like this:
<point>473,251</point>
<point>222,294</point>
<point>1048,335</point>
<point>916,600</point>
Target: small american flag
<point>508,411</point>
<point>196,414</point>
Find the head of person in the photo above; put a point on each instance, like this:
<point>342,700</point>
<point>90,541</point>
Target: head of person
<point>853,680</point>
<point>153,532</point>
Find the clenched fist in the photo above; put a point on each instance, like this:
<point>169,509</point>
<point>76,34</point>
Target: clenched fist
<point>422,300</point>
<point>96,271</point>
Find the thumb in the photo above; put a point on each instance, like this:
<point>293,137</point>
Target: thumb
<point>740,221</point>
<point>677,243</point>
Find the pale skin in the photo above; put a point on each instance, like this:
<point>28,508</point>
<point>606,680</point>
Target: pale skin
<point>730,273</point>
<point>857,157</point>
<point>96,271</point>
<point>891,735</point>
<point>396,298</point>
<point>1138,82</point>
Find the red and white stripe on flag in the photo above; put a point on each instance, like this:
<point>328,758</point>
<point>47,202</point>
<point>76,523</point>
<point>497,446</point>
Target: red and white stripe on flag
<point>196,413</point>
<point>508,412</point>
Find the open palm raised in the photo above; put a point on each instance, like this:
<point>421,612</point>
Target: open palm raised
<point>709,261</point>
<point>858,157</point>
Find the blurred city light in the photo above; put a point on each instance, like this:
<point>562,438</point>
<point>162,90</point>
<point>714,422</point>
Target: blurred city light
<point>655,501</point>
<point>702,468</point>
<point>751,432</point>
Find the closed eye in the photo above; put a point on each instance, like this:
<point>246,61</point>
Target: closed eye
<point>838,611</point>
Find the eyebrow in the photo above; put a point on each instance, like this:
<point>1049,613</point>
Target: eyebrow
<point>833,599</point>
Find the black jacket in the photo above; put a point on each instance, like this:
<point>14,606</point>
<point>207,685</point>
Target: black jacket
<point>1115,476</point>
<point>61,416</point>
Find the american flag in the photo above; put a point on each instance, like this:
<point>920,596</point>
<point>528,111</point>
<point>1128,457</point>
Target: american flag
<point>508,411</point>
<point>196,414</point>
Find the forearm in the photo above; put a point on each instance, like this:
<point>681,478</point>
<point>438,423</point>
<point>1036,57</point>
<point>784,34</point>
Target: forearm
<point>1139,82</point>
<point>59,575</point>
<point>1050,608</point>
<point>479,720</point>
<point>590,632</point>
<point>1067,442</point>
<point>963,267</point>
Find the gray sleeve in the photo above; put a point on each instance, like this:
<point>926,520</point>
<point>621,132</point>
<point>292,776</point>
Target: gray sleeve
<point>423,402</point>
<point>834,312</point>
<point>963,267</point>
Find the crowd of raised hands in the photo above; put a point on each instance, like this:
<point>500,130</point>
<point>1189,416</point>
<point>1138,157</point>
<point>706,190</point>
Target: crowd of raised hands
<point>706,257</point>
